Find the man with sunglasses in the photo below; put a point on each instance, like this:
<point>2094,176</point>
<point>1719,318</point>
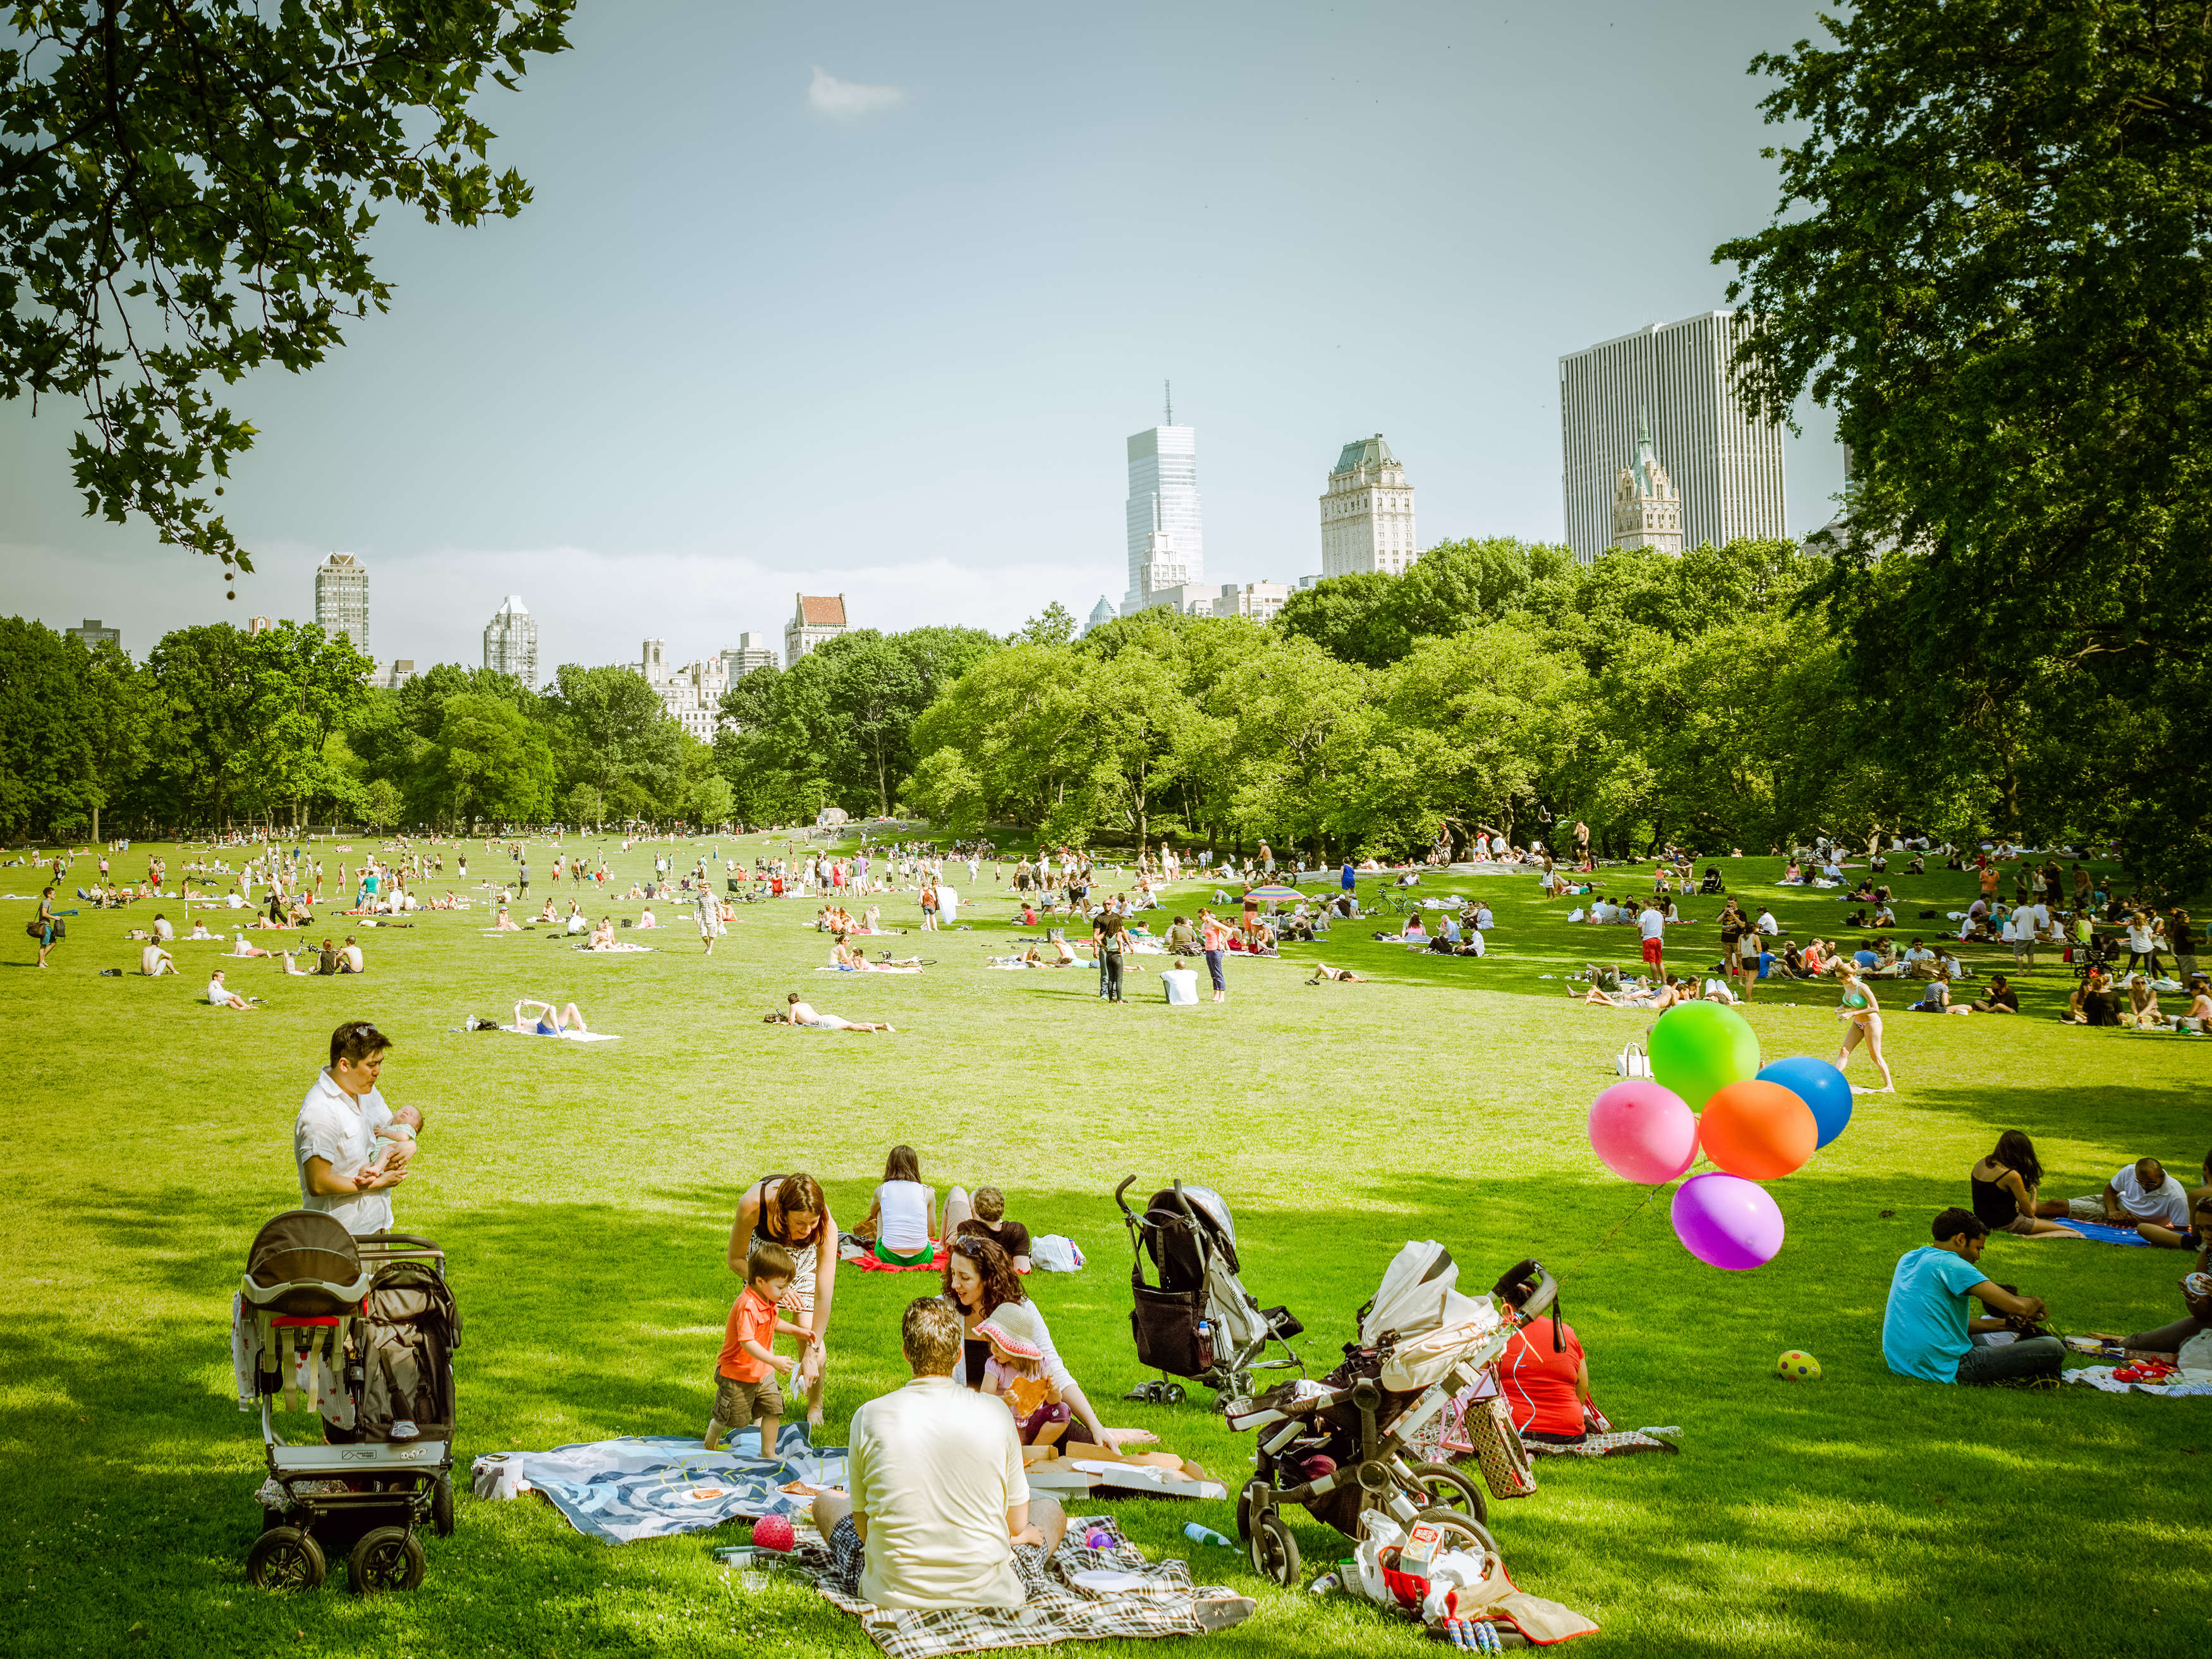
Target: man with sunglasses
<point>335,1141</point>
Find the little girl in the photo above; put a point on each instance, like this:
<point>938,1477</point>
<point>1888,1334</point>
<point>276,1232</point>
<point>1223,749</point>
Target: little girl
<point>1015,1373</point>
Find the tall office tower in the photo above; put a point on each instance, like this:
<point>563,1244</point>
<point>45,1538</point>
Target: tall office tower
<point>1647,509</point>
<point>751,652</point>
<point>1163,500</point>
<point>1727,462</point>
<point>816,621</point>
<point>1367,514</point>
<point>510,642</point>
<point>342,599</point>
<point>92,634</point>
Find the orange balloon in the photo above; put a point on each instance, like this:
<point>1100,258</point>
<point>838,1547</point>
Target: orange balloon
<point>1760,1131</point>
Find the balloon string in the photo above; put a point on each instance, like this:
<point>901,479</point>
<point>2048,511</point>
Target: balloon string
<point>1615,1232</point>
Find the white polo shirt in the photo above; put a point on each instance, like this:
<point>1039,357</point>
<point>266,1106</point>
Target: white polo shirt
<point>333,1127</point>
<point>935,1467</point>
<point>1652,924</point>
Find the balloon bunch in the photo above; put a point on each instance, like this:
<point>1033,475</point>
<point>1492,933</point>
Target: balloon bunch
<point>1754,1124</point>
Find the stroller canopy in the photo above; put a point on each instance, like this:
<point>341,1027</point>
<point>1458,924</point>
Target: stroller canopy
<point>304,1263</point>
<point>1419,1292</point>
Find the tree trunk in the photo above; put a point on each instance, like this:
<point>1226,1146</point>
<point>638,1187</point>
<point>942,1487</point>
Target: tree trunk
<point>95,821</point>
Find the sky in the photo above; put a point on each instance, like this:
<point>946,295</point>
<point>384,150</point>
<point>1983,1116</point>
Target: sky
<point>865,298</point>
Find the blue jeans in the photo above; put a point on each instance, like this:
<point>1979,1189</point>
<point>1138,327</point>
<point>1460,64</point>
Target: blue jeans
<point>1213,967</point>
<point>2031,1356</point>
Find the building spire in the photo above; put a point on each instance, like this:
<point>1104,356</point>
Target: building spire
<point>1168,388</point>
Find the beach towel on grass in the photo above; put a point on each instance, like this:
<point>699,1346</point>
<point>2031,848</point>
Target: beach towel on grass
<point>1163,1604</point>
<point>870,1262</point>
<point>872,968</point>
<point>1625,1443</point>
<point>2102,1234</point>
<point>568,1036</point>
<point>656,1486</point>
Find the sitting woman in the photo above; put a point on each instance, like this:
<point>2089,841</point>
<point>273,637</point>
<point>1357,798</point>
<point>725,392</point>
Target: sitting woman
<point>2143,1004</point>
<point>2005,1189</point>
<point>2093,1001</point>
<point>980,1282</point>
<point>546,915</point>
<point>1413,932</point>
<point>505,924</point>
<point>603,936</point>
<point>647,919</point>
<point>1794,876</point>
<point>2199,1016</point>
<point>544,1019</point>
<point>896,1227</point>
<point>1544,1376</point>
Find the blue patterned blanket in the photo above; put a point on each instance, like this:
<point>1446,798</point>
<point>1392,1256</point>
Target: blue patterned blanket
<point>653,1485</point>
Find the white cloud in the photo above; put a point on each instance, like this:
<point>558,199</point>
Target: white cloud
<point>848,100</point>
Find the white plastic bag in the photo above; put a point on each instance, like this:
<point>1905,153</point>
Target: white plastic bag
<point>1632,1061</point>
<point>1054,1253</point>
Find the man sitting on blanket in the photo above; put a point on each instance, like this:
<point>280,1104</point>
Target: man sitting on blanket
<point>938,1503</point>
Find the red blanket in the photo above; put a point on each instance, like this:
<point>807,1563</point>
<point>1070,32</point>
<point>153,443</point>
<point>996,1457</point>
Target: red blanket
<point>876,1265</point>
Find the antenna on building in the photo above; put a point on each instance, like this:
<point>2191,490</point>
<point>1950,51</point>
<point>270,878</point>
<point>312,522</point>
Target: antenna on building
<point>1168,388</point>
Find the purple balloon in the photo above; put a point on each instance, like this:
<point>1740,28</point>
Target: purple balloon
<point>1728,1222</point>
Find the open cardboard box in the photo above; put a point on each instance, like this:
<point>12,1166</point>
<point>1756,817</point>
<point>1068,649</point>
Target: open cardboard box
<point>1153,1473</point>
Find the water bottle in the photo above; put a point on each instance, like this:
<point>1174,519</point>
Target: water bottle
<point>1204,1342</point>
<point>1199,1534</point>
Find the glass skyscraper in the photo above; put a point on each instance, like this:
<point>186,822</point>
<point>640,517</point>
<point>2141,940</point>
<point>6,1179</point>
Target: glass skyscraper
<point>1163,493</point>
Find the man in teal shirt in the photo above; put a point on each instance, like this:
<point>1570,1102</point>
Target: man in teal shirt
<point>1926,1332</point>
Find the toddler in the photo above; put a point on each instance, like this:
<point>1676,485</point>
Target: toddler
<point>1015,1374</point>
<point>744,1377</point>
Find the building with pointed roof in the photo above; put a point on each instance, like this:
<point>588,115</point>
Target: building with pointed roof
<point>510,642</point>
<point>1162,501</point>
<point>1647,509</point>
<point>816,622</point>
<point>1100,614</point>
<point>1367,512</point>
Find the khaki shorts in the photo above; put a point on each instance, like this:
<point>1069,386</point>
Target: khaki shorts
<point>736,1404</point>
<point>2022,1225</point>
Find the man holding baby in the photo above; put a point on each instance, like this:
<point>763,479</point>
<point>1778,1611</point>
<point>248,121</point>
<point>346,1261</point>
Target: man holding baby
<point>351,1148</point>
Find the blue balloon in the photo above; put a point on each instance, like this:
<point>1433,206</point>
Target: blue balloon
<point>1820,1085</point>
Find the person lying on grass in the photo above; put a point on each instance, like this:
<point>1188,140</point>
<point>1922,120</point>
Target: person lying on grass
<point>544,1019</point>
<point>1341,975</point>
<point>1665,994</point>
<point>1926,1331</point>
<point>798,1012</point>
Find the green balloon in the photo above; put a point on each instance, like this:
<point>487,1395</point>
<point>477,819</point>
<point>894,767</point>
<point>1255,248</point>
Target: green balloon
<point>1698,1048</point>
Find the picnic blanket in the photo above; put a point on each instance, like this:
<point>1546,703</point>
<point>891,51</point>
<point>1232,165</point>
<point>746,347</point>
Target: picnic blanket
<point>2100,1378</point>
<point>1622,1442</point>
<point>569,1036</point>
<point>2102,1234</point>
<point>868,1262</point>
<point>610,950</point>
<point>872,968</point>
<point>1162,1603</point>
<point>656,1486</point>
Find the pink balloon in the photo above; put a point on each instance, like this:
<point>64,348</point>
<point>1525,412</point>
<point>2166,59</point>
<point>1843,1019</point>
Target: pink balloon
<point>1727,1222</point>
<point>1643,1132</point>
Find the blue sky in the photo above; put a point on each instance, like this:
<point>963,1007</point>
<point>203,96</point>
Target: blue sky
<point>865,298</point>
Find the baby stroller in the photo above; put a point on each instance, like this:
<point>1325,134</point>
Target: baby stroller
<point>1199,1321</point>
<point>362,1332</point>
<point>1344,1445</point>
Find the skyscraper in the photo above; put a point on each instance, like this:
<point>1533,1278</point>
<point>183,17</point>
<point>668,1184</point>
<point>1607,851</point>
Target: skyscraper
<point>1164,501</point>
<point>342,599</point>
<point>1367,512</point>
<point>92,634</point>
<point>751,652</point>
<point>510,642</point>
<point>1727,462</point>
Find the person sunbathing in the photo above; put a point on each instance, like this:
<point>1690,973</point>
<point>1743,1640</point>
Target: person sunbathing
<point>244,949</point>
<point>220,995</point>
<point>505,924</point>
<point>1341,975</point>
<point>1664,995</point>
<point>603,936</point>
<point>544,1019</point>
<point>798,1012</point>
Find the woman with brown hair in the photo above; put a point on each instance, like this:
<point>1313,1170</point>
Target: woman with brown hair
<point>981,1282</point>
<point>790,1209</point>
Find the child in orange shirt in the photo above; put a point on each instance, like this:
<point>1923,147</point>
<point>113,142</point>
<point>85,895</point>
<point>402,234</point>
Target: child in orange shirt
<point>745,1376</point>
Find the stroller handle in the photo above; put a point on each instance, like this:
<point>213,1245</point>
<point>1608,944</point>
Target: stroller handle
<point>1127,1181</point>
<point>1540,1299</point>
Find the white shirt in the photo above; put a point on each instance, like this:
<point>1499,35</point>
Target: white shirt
<point>1920,953</point>
<point>1766,924</point>
<point>935,1466</point>
<point>903,1216</point>
<point>1652,924</point>
<point>341,1131</point>
<point>2168,1204</point>
<point>218,995</point>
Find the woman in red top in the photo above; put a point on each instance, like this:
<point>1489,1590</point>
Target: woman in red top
<point>1547,1388</point>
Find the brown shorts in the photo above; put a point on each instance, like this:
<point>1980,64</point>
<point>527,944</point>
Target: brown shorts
<point>736,1404</point>
<point>2022,1225</point>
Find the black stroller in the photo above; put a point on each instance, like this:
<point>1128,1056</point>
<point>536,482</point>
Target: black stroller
<point>1199,1321</point>
<point>362,1332</point>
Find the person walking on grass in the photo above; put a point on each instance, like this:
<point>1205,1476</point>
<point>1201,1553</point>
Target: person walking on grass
<point>1862,1016</point>
<point>47,928</point>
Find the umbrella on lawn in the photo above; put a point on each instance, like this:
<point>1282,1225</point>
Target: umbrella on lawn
<point>1274,893</point>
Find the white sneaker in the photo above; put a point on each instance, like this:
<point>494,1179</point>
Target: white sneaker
<point>404,1429</point>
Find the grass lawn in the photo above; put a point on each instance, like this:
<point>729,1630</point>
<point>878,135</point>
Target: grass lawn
<point>584,1193</point>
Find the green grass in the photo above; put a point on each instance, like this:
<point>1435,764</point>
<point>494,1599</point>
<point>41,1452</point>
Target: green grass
<point>585,1193</point>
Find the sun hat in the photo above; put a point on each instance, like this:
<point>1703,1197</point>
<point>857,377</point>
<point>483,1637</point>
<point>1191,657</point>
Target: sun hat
<point>1006,1345</point>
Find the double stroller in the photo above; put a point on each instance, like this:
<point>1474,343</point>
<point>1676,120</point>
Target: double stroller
<point>1199,1322</point>
<point>1350,1443</point>
<point>360,1332</point>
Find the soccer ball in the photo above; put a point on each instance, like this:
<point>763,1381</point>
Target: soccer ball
<point>1797,1367</point>
<point>773,1532</point>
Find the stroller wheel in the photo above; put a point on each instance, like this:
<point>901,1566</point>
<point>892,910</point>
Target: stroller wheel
<point>1274,1553</point>
<point>386,1559</point>
<point>286,1558</point>
<point>441,1506</point>
<point>1459,1532</point>
<point>1441,1486</point>
<point>1171,1393</point>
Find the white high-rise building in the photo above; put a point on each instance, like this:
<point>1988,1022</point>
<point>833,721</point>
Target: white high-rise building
<point>342,599</point>
<point>510,642</point>
<point>751,652</point>
<point>1726,462</point>
<point>1163,501</point>
<point>1367,513</point>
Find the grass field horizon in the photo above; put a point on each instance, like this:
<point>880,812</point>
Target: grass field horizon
<point>584,1195</point>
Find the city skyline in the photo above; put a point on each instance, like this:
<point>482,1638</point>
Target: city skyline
<point>891,364</point>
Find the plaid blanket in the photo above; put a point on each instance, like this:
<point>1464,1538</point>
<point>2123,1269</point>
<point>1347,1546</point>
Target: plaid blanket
<point>1056,1610</point>
<point>1626,1442</point>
